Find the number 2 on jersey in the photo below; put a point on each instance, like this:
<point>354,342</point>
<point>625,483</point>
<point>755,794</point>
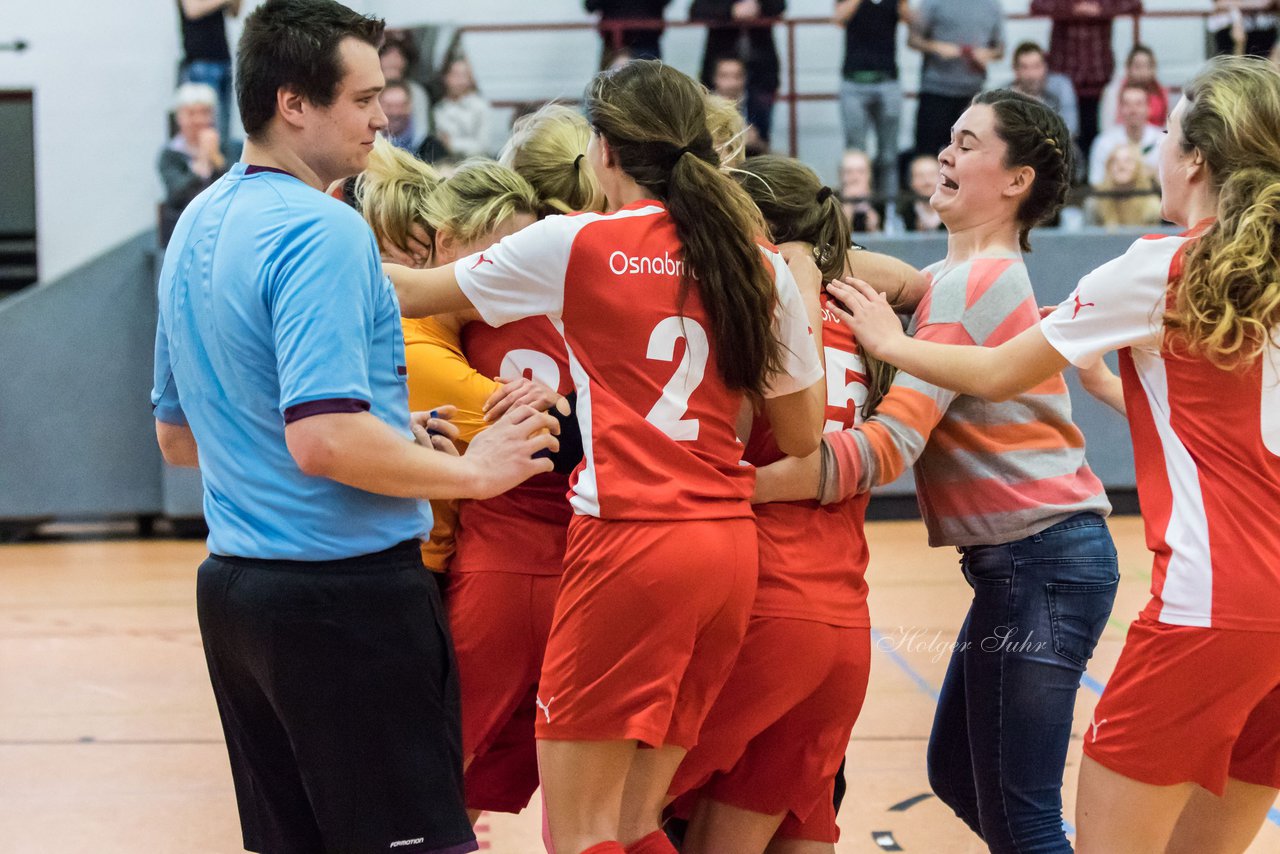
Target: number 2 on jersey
<point>668,413</point>
<point>531,364</point>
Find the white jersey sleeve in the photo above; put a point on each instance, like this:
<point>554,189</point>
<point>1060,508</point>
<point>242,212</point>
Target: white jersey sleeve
<point>800,365</point>
<point>523,275</point>
<point>1120,304</point>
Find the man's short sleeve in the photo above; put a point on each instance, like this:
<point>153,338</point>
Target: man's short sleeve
<point>322,297</point>
<point>1120,304</point>
<point>800,365</point>
<point>164,390</point>
<point>523,275</point>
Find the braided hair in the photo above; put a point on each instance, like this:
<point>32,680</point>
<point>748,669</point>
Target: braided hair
<point>1036,137</point>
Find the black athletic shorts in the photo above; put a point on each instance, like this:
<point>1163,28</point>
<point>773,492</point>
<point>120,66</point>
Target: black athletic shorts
<point>338,695</point>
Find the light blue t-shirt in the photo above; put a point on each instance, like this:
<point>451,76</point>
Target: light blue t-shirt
<point>273,306</point>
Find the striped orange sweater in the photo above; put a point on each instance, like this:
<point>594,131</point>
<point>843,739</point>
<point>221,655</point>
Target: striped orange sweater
<point>985,472</point>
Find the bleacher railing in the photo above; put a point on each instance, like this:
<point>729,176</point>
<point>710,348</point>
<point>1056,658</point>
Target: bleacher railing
<point>789,93</point>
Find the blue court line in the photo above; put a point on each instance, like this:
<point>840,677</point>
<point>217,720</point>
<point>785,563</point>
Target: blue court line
<point>1092,684</point>
<point>924,685</point>
<point>921,682</point>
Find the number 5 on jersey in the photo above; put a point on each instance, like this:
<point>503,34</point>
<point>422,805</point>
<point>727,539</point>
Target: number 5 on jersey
<point>846,384</point>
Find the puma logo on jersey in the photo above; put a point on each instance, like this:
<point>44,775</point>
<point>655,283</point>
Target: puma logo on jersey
<point>1080,305</point>
<point>1096,724</point>
<point>546,707</point>
<point>481,260</point>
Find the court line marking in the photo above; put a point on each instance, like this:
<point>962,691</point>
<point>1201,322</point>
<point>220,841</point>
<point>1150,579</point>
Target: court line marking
<point>925,686</point>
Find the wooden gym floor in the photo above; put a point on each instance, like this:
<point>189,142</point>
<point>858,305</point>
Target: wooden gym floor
<point>110,742</point>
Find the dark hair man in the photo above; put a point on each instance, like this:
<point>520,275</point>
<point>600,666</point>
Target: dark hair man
<point>280,372</point>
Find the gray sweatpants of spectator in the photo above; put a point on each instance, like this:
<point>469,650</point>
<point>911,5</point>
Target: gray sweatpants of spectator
<point>863,105</point>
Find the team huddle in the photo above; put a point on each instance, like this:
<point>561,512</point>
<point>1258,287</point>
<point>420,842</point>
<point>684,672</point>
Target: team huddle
<point>651,386</point>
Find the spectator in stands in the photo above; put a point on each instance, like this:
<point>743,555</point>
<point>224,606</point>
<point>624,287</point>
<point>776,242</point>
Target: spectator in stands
<point>1128,194</point>
<point>196,156</point>
<point>206,57</point>
<point>857,196</point>
<point>1245,27</point>
<point>1080,47</point>
<point>958,41</point>
<point>399,60</point>
<point>642,43</point>
<point>729,81</point>
<point>463,116</point>
<point>918,214</point>
<point>397,102</point>
<point>1134,129</point>
<point>1031,76</point>
<point>870,95</point>
<point>733,34</point>
<point>1139,70</point>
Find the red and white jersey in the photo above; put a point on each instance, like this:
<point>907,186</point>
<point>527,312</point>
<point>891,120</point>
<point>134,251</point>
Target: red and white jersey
<point>813,559</point>
<point>1206,442</point>
<point>535,514</point>
<point>657,421</point>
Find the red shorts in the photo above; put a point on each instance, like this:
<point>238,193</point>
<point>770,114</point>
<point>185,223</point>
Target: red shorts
<point>1189,704</point>
<point>648,623</point>
<point>500,622</point>
<point>776,735</point>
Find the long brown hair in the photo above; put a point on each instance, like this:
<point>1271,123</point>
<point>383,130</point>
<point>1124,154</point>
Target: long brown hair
<point>796,206</point>
<point>1228,303</point>
<point>654,119</point>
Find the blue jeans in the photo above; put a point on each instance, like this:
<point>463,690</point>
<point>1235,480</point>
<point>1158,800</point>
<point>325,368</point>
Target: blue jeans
<point>1000,733</point>
<point>217,75</point>
<point>879,105</point>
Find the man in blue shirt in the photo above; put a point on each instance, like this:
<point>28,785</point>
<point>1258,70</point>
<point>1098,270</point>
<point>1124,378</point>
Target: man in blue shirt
<point>280,371</point>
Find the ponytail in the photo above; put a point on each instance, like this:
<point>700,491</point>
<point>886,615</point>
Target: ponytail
<point>548,149</point>
<point>654,119</point>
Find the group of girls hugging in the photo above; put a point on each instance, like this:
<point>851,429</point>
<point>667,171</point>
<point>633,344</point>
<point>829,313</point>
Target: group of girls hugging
<point>671,628</point>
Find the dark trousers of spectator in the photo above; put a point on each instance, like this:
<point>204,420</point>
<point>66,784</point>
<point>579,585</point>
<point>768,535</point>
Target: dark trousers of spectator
<point>1088,121</point>
<point>760,111</point>
<point>638,44</point>
<point>934,117</point>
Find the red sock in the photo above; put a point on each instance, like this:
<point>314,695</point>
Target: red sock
<point>605,848</point>
<point>655,843</point>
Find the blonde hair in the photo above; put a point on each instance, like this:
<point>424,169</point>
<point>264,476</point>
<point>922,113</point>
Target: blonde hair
<point>1228,303</point>
<point>481,194</point>
<point>392,193</point>
<point>728,130</point>
<point>548,149</point>
<point>1136,203</point>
